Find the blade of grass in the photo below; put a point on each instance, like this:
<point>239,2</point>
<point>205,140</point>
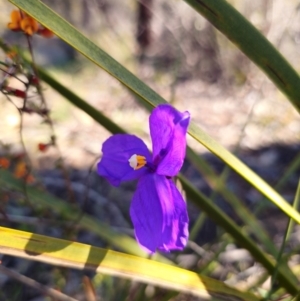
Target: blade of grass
<point>296,207</point>
<point>80,103</point>
<point>84,257</point>
<point>285,238</point>
<point>292,168</point>
<point>69,34</point>
<point>197,226</point>
<point>252,43</point>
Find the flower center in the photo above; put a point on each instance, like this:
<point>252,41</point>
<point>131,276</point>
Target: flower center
<point>137,161</point>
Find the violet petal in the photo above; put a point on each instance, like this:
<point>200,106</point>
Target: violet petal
<point>168,129</point>
<point>175,233</point>
<point>117,150</point>
<point>159,215</point>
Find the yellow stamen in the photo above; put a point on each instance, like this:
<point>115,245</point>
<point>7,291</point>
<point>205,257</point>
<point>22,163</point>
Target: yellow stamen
<point>137,161</point>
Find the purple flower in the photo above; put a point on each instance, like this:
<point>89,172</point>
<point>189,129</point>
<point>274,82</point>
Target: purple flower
<point>158,211</point>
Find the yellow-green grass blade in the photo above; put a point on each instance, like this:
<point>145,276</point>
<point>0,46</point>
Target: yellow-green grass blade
<point>69,34</point>
<point>42,199</point>
<point>250,41</point>
<point>80,256</point>
<point>280,260</point>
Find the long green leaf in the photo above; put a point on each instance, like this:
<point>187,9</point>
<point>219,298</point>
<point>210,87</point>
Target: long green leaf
<point>84,257</point>
<point>240,209</point>
<point>245,36</point>
<point>80,103</point>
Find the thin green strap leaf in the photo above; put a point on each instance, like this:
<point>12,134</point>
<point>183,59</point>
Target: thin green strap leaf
<point>250,41</point>
<point>84,257</point>
<point>290,170</point>
<point>286,237</point>
<point>241,210</point>
<point>206,205</point>
<point>68,33</point>
<point>80,103</point>
<point>296,207</point>
<point>244,171</point>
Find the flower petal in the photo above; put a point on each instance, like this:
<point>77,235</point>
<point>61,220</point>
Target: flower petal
<point>117,150</point>
<point>168,129</point>
<point>175,233</point>
<point>159,215</point>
